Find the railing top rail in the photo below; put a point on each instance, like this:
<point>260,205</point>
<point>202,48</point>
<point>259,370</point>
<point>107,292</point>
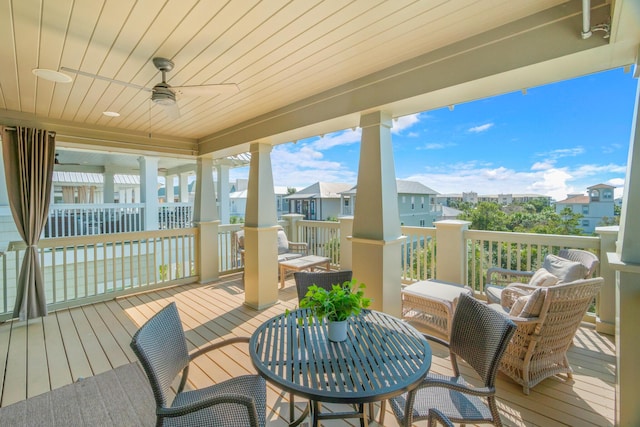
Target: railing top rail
<point>586,242</point>
<point>56,242</point>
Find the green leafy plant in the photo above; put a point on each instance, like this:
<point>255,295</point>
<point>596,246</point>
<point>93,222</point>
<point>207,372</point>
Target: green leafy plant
<point>337,304</point>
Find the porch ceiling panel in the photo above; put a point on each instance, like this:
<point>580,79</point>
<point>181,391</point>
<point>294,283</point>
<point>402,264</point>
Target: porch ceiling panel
<point>280,53</point>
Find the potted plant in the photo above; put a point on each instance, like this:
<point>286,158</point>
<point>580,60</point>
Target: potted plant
<point>336,305</point>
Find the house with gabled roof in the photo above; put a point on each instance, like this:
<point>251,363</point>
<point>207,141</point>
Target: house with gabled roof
<point>319,201</point>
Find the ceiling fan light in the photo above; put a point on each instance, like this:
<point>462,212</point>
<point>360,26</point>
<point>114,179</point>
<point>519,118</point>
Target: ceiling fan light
<point>163,95</point>
<point>51,75</point>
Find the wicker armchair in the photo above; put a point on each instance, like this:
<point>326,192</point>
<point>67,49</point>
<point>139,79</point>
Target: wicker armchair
<point>538,349</point>
<point>479,335</point>
<point>161,347</point>
<point>322,279</point>
<point>499,278</point>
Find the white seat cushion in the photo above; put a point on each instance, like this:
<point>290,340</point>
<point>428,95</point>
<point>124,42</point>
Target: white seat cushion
<point>438,290</point>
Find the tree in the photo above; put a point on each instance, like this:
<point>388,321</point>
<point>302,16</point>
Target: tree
<point>291,190</point>
<point>486,216</point>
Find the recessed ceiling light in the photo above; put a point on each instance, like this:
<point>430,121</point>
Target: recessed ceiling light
<point>111,114</point>
<point>52,75</point>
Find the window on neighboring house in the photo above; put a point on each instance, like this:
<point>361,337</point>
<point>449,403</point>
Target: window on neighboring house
<point>585,222</point>
<point>585,209</point>
<point>346,203</point>
<point>422,203</point>
<point>404,199</point>
<point>413,203</point>
<point>422,223</point>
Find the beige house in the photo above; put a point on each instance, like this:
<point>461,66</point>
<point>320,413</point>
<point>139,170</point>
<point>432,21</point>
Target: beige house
<point>276,72</point>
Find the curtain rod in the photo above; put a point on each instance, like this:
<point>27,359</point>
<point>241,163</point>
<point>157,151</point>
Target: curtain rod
<point>51,133</point>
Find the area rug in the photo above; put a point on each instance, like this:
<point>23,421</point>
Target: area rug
<point>120,397</point>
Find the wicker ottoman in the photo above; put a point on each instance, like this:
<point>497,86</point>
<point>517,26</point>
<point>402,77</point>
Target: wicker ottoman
<point>432,303</point>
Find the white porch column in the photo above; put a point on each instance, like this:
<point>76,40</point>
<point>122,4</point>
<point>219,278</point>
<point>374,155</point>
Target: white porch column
<point>626,260</point>
<point>346,248</point>
<point>223,192</point>
<point>377,238</point>
<point>184,187</point>
<point>260,232</point>
<point>606,311</point>
<point>169,184</point>
<point>149,191</point>
<point>451,250</point>
<point>205,216</point>
<point>108,187</point>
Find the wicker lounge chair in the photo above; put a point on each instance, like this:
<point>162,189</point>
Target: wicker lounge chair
<point>547,323</point>
<point>499,278</point>
<point>162,349</point>
<point>479,335</point>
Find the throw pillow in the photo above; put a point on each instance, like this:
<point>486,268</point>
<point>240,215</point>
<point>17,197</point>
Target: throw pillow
<point>283,243</point>
<point>565,270</point>
<point>517,306</point>
<point>533,303</point>
<point>542,277</point>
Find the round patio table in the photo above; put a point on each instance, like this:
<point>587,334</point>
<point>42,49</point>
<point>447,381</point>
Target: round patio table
<point>381,358</point>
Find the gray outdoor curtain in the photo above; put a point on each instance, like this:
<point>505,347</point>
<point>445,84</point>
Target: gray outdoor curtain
<point>28,165</point>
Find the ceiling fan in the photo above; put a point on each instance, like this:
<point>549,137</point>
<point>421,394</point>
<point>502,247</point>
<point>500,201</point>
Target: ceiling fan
<point>163,93</point>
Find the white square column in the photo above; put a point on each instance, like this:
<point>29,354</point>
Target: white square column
<point>377,238</point>
<point>626,260</point>
<point>260,232</point>
<point>205,217</point>
<point>149,191</point>
<point>223,192</point>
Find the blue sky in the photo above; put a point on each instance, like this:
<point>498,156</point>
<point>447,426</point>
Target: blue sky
<point>554,140</point>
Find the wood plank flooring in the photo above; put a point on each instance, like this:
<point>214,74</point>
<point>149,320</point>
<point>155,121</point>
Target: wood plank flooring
<point>48,353</point>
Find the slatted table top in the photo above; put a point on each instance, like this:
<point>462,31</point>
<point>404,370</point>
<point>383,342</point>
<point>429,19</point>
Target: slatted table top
<point>382,357</point>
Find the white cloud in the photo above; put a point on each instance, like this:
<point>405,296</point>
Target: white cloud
<point>405,122</point>
<point>538,166</point>
<point>347,137</point>
<point>436,146</point>
<point>482,128</point>
<point>562,152</point>
<point>542,179</point>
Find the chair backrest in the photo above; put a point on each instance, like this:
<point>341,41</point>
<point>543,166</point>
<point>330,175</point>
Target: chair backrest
<point>161,347</point>
<point>586,258</point>
<point>563,310</point>
<point>283,241</point>
<point>322,279</point>
<point>480,335</point>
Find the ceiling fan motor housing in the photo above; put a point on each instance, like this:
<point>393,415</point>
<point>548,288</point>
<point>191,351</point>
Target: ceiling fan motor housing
<point>163,95</point>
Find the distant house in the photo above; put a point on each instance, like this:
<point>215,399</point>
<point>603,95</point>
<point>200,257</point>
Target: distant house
<point>416,203</point>
<point>238,202</point>
<point>594,206</point>
<point>318,201</point>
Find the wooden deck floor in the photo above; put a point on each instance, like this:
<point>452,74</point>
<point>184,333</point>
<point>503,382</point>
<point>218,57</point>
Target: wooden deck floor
<point>45,354</point>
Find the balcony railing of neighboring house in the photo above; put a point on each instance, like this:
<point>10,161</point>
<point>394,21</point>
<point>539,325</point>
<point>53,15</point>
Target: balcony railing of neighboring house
<point>86,269</point>
<point>516,251</point>
<point>68,220</point>
<point>175,215</point>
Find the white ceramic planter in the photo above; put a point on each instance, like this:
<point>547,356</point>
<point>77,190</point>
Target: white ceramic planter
<point>338,331</point>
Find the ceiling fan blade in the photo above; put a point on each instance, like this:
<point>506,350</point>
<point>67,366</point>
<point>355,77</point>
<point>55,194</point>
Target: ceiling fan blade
<point>106,79</point>
<point>206,90</point>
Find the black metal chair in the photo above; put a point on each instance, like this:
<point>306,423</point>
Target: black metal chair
<point>479,335</point>
<point>161,347</point>
<point>322,279</point>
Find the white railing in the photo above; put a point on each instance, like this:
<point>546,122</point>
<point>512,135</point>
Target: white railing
<point>68,220</point>
<point>175,215</point>
<point>418,253</point>
<point>81,270</point>
<point>516,251</point>
<point>323,238</point>
<point>229,253</point>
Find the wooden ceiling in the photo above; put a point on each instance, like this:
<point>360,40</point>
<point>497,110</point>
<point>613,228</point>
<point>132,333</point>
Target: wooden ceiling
<point>289,58</point>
